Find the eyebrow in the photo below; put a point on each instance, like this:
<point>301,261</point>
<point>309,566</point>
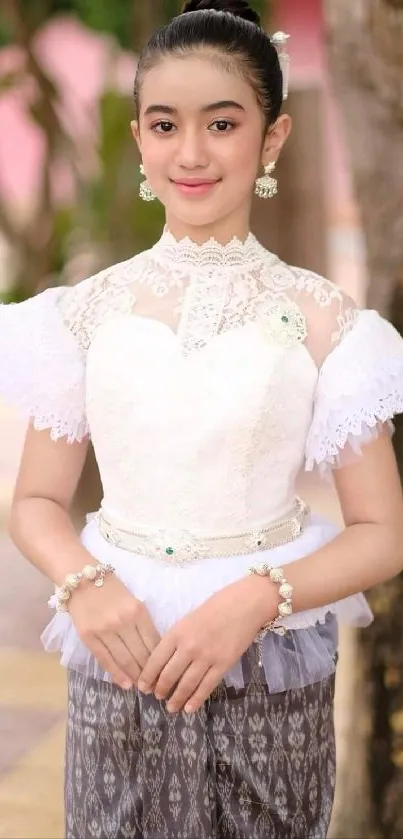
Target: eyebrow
<point>214,106</point>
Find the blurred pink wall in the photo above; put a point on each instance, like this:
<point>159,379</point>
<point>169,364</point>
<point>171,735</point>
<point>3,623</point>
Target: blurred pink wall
<point>82,63</point>
<point>303,21</point>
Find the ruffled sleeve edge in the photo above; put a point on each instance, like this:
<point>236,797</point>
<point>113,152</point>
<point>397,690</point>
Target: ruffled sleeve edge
<point>344,421</point>
<point>45,380</point>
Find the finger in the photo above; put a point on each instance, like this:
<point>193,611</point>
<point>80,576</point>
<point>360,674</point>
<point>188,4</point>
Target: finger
<point>108,663</point>
<point>134,643</point>
<point>149,634</point>
<point>187,686</point>
<point>123,657</point>
<point>156,663</point>
<point>171,674</point>
<point>203,691</point>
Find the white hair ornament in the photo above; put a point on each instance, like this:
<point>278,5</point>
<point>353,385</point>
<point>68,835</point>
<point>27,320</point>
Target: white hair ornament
<point>279,41</point>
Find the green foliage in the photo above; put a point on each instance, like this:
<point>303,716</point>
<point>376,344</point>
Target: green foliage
<point>102,15</point>
<point>119,18</point>
<point>5,32</point>
<point>112,212</point>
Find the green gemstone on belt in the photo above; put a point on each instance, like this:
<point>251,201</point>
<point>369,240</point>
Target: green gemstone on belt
<point>169,551</point>
<point>285,319</point>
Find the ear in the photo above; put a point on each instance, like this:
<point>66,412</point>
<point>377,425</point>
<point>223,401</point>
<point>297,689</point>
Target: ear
<point>136,132</point>
<point>275,139</point>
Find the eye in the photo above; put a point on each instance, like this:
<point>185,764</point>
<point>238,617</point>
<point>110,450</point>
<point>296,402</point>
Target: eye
<point>222,126</point>
<point>163,126</point>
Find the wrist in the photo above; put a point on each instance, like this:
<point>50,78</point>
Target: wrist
<point>94,574</point>
<point>73,565</point>
<point>263,594</point>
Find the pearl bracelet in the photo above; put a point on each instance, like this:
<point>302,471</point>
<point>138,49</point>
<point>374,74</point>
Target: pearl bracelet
<point>92,573</point>
<point>275,575</point>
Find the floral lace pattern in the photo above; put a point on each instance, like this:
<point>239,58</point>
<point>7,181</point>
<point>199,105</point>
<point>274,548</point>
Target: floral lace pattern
<point>202,290</point>
<point>94,301</point>
<point>202,293</point>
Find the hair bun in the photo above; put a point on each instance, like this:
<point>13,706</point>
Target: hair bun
<point>238,8</point>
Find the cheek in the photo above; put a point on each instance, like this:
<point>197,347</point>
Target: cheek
<point>156,165</point>
<point>155,153</point>
<point>242,148</point>
<point>242,161</point>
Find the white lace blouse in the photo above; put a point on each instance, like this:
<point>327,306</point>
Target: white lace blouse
<point>207,376</point>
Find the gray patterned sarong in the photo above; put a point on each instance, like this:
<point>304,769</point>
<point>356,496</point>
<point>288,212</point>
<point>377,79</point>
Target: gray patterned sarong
<point>248,765</point>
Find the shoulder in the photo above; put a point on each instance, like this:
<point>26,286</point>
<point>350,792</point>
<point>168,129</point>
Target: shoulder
<point>329,313</point>
<point>321,291</point>
<point>95,285</point>
<point>88,303</point>
<point>305,285</point>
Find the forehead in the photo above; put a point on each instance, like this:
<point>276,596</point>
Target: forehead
<point>193,81</point>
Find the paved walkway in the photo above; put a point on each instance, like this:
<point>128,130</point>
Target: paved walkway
<point>32,707</point>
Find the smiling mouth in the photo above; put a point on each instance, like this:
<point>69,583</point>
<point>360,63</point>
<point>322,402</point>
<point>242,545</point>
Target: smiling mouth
<point>197,187</point>
<point>196,182</point>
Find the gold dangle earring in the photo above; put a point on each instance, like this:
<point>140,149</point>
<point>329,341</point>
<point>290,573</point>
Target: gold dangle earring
<point>266,187</point>
<point>146,191</point>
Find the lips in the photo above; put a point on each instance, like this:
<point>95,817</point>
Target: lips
<point>195,186</point>
<point>196,182</point>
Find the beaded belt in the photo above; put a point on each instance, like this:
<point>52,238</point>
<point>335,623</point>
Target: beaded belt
<point>180,547</point>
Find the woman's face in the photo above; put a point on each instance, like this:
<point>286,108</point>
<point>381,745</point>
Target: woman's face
<point>202,141</point>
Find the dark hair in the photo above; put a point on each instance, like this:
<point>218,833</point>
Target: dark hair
<point>231,28</point>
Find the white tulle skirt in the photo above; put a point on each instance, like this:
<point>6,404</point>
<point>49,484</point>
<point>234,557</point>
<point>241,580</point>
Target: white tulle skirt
<point>303,656</point>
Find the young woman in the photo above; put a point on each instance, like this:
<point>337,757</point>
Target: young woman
<point>207,372</point>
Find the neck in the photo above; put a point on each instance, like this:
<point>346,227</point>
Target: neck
<point>222,232</point>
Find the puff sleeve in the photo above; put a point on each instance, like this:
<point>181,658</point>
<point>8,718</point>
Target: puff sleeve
<point>42,366</point>
<point>359,389</point>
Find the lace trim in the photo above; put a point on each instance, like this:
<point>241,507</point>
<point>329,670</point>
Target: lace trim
<point>357,418</point>
<point>209,254</point>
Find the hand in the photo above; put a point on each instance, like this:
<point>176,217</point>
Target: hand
<point>193,656</point>
<point>116,628</point>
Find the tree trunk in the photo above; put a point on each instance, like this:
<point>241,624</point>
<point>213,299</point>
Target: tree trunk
<point>366,55</point>
<point>366,51</point>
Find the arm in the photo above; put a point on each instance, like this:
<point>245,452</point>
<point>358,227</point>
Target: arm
<point>370,549</point>
<point>114,625</point>
<point>205,644</point>
<point>40,524</point>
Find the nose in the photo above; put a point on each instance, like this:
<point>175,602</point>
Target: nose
<point>192,152</point>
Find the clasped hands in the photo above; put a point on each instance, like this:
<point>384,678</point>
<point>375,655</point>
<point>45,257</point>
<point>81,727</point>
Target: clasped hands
<point>188,662</point>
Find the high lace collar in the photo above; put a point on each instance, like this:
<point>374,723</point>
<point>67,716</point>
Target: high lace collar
<point>211,253</point>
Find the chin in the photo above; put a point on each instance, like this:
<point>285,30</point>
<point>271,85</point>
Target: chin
<point>197,216</point>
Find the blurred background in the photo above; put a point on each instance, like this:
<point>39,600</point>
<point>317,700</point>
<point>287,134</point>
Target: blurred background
<point>69,206</point>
